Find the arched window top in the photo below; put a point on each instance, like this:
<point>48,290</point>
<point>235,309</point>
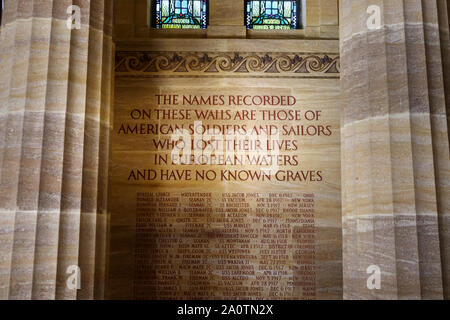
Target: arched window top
<point>180,14</point>
<point>269,14</point>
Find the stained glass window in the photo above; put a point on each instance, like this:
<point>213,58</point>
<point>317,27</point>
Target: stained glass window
<point>280,14</point>
<point>181,14</point>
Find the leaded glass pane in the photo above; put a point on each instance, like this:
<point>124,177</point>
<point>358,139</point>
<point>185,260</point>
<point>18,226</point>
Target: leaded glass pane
<point>180,14</point>
<point>197,9</point>
<point>165,8</point>
<point>255,6</point>
<point>280,14</point>
<point>287,8</point>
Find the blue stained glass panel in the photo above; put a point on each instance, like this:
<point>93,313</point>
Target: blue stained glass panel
<point>181,14</point>
<point>281,14</point>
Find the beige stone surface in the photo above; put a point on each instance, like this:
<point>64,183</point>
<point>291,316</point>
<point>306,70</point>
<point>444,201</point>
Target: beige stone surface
<point>395,157</point>
<point>44,111</point>
<point>128,152</point>
<point>56,116</point>
<point>443,10</point>
<point>226,21</point>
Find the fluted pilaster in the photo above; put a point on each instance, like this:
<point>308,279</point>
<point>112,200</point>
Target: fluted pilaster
<point>443,8</point>
<point>395,151</point>
<point>55,86</point>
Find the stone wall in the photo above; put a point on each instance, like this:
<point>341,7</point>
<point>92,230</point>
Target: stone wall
<point>395,149</point>
<point>226,20</point>
<point>55,98</point>
<point>225,39</point>
<point>56,94</point>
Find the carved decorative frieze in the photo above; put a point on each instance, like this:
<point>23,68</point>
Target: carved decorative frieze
<point>249,64</point>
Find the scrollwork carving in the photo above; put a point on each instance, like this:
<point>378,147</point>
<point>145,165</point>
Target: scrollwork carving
<point>134,63</point>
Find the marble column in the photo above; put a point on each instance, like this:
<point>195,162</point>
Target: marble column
<point>55,95</point>
<point>395,148</point>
